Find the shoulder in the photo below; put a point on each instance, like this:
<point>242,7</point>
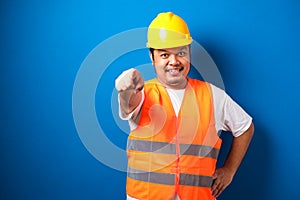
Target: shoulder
<point>216,92</point>
<point>193,81</point>
<point>151,81</point>
<point>199,84</point>
<point>153,89</point>
<point>151,85</point>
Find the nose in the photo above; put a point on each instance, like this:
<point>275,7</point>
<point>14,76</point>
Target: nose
<point>173,60</point>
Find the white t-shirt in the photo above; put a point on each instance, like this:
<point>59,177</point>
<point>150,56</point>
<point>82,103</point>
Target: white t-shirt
<point>229,116</point>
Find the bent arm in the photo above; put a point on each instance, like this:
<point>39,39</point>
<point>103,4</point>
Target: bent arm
<point>223,176</point>
<point>129,100</point>
<point>238,150</point>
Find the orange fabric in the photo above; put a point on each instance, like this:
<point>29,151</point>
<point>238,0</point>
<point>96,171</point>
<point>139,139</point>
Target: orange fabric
<point>142,190</point>
<point>194,125</point>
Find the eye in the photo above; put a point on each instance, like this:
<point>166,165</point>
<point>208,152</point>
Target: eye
<point>181,54</point>
<point>164,55</point>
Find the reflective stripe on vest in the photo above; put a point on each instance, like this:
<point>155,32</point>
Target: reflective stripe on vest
<point>169,179</point>
<point>170,155</point>
<point>169,148</point>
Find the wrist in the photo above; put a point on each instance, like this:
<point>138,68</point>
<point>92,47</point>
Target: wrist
<point>229,170</point>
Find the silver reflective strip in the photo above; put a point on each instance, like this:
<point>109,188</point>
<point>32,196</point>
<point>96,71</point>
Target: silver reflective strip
<point>169,148</point>
<point>199,150</point>
<point>195,180</point>
<point>169,179</point>
<point>150,146</point>
<point>152,177</point>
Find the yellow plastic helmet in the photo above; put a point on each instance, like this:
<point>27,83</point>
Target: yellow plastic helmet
<point>168,30</point>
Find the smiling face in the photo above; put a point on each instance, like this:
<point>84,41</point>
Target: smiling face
<point>172,66</point>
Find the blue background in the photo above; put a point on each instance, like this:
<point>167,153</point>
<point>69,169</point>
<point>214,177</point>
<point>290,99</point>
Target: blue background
<point>255,45</point>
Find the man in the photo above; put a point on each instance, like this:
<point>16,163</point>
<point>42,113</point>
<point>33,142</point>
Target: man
<point>174,142</point>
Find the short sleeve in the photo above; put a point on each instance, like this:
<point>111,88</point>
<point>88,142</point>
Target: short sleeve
<point>229,116</point>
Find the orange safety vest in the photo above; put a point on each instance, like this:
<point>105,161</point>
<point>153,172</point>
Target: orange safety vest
<point>169,155</point>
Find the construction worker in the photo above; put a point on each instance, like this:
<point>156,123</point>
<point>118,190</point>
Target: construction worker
<point>175,123</point>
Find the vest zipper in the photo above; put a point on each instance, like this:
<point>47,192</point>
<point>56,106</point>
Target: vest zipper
<point>177,170</point>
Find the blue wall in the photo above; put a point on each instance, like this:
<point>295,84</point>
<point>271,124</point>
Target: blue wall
<point>255,45</point>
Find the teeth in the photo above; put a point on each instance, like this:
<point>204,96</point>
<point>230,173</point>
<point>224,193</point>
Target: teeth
<point>173,70</point>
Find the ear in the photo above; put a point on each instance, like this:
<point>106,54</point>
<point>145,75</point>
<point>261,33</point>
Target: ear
<point>151,57</point>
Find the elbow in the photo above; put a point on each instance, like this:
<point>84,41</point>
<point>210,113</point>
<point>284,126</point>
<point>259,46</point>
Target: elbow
<point>250,130</point>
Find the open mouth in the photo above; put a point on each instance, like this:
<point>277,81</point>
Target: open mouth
<point>174,70</point>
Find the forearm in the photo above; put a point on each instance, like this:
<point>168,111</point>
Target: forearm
<point>238,150</point>
<point>129,100</point>
<point>224,175</point>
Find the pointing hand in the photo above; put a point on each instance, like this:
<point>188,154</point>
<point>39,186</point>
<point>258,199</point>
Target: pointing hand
<point>130,79</point>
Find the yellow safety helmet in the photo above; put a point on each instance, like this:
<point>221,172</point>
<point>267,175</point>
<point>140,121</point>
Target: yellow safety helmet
<point>168,30</point>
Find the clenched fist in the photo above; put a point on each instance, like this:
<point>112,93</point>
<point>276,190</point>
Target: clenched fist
<point>129,84</point>
<point>130,79</point>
